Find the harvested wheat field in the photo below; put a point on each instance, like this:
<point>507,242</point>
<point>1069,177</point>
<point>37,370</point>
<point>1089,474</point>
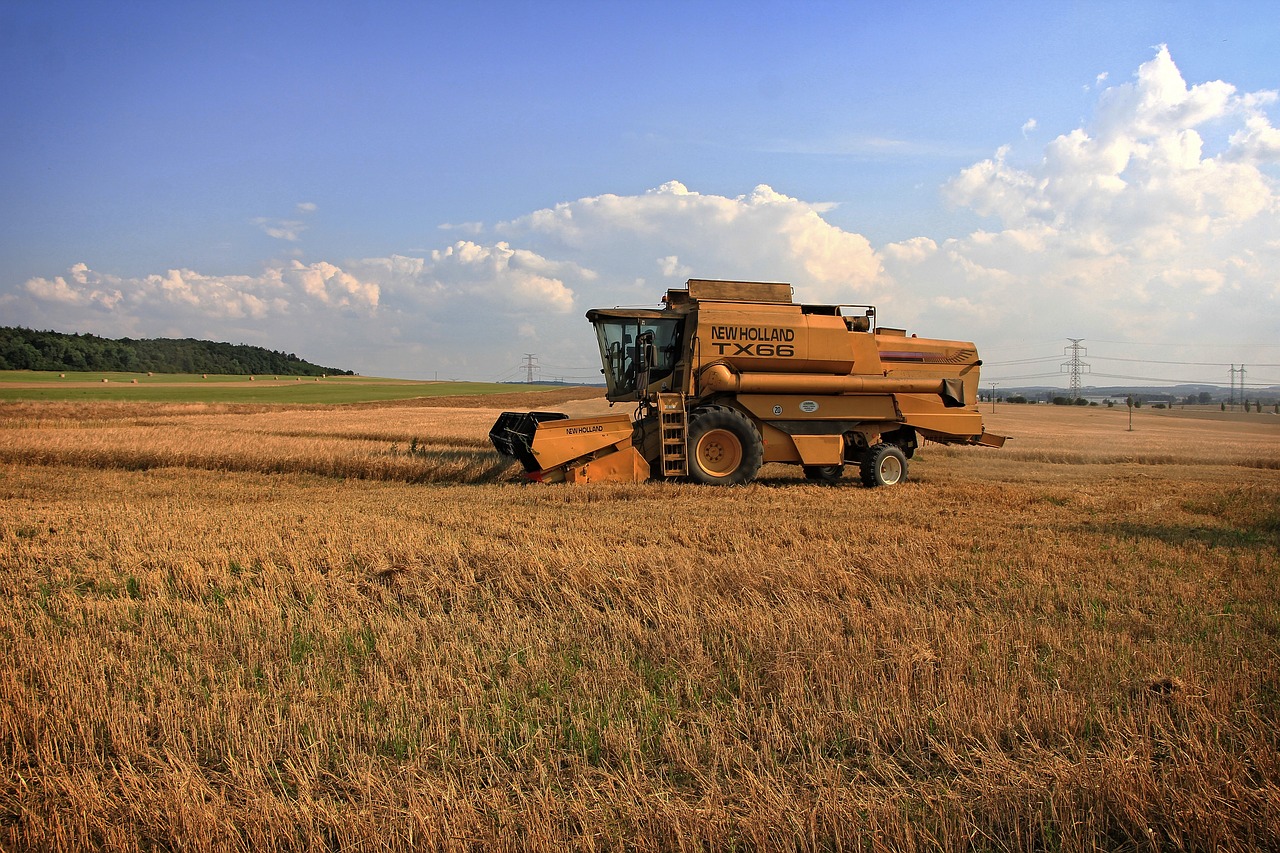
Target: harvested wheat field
<point>350,628</point>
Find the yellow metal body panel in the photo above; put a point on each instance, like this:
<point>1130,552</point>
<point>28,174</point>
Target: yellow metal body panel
<point>776,338</point>
<point>859,407</point>
<point>929,416</point>
<point>990,440</point>
<point>624,466</point>
<point>820,449</point>
<point>918,358</point>
<point>778,446</point>
<point>561,441</point>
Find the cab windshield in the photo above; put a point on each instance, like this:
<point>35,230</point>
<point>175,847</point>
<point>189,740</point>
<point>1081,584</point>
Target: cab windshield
<point>618,350</point>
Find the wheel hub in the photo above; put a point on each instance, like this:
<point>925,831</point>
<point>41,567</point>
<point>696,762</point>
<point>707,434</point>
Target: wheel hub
<point>719,452</point>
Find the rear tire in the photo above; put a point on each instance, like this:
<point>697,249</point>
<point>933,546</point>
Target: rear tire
<point>826,474</point>
<point>884,465</point>
<point>725,448</point>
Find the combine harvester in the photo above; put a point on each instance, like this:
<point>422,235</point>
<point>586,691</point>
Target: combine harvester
<point>729,375</point>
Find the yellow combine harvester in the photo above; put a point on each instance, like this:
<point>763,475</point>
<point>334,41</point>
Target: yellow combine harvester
<point>729,375</point>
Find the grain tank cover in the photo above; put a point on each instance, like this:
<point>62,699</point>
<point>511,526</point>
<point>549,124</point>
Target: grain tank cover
<point>739,291</point>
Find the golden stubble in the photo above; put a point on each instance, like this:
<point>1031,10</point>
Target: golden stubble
<point>384,646</point>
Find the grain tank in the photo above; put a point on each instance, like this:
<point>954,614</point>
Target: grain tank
<point>729,375</point>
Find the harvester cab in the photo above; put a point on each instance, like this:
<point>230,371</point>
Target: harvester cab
<point>638,348</point>
<point>728,375</point>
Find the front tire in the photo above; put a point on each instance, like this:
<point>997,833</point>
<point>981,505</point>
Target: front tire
<point>884,465</point>
<point>725,448</point>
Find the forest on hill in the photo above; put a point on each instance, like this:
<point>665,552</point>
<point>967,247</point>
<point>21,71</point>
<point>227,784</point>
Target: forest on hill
<point>26,349</point>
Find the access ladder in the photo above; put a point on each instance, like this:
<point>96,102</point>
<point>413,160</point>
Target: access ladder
<point>674,423</point>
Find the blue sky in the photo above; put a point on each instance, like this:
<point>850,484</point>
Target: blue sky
<point>420,189</point>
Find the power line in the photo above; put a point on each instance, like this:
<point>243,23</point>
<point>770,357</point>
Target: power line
<point>1030,376</point>
<point>1260,383</point>
<point>1185,363</point>
<point>1001,347</point>
<point>1184,344</point>
<point>1119,358</point>
<point>1020,361</point>
<point>561,369</point>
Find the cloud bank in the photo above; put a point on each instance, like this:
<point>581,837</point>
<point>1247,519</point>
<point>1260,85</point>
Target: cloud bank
<point>1137,225</point>
<point>1157,220</point>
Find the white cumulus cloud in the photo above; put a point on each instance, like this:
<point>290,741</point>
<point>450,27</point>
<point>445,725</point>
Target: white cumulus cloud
<point>672,268</point>
<point>1132,221</point>
<point>760,235</point>
<point>179,294</point>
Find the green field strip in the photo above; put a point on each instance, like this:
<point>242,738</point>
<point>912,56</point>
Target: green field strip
<point>189,388</point>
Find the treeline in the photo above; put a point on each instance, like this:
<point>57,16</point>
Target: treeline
<point>25,349</point>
